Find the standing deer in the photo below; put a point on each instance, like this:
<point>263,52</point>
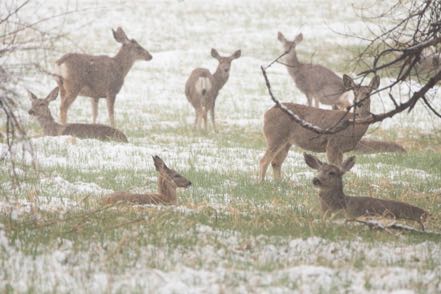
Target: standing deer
<point>332,198</point>
<point>317,82</point>
<point>40,109</point>
<point>281,132</point>
<point>168,181</point>
<point>202,87</point>
<point>97,76</point>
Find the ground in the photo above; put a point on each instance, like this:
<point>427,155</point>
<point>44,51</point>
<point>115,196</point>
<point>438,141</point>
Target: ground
<point>228,233</point>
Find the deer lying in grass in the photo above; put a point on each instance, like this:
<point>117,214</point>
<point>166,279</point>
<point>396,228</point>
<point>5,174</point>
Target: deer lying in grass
<point>202,87</point>
<point>281,132</point>
<point>317,82</point>
<point>332,198</point>
<point>168,181</point>
<point>367,146</point>
<point>97,76</point>
<point>40,109</point>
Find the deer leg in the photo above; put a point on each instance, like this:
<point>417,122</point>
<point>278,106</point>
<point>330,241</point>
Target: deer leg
<point>196,119</point>
<point>66,102</point>
<point>110,109</point>
<point>94,109</point>
<point>204,116</point>
<point>309,98</point>
<point>269,155</point>
<point>276,163</point>
<point>213,119</point>
<point>333,153</point>
<point>316,103</point>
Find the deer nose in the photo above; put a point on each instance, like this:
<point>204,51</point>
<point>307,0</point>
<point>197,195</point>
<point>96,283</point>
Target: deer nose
<point>31,112</point>
<point>149,57</point>
<point>316,182</point>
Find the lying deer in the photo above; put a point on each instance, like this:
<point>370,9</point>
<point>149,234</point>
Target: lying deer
<point>332,198</point>
<point>40,109</point>
<point>367,146</point>
<point>281,132</point>
<point>168,181</point>
<point>97,76</point>
<point>317,82</point>
<point>202,87</point>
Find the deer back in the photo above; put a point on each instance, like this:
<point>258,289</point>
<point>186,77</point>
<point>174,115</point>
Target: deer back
<point>279,126</point>
<point>149,198</point>
<point>359,206</point>
<point>94,131</point>
<point>367,146</point>
<point>95,75</point>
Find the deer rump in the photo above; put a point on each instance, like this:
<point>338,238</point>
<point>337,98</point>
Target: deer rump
<point>200,89</point>
<point>94,131</point>
<point>280,128</point>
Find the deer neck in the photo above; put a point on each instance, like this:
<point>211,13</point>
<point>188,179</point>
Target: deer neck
<point>291,61</point>
<point>166,188</point>
<point>50,127</point>
<point>220,78</point>
<point>333,197</point>
<point>124,60</point>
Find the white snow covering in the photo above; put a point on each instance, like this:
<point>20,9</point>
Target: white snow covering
<point>309,265</point>
<point>179,34</point>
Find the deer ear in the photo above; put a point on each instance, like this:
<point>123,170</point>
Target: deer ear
<point>348,82</point>
<point>159,163</point>
<point>312,161</point>
<point>215,54</point>
<point>347,164</point>
<point>120,36</point>
<point>52,95</point>
<point>236,54</point>
<point>375,83</point>
<point>31,95</point>
<point>281,37</point>
<point>299,38</point>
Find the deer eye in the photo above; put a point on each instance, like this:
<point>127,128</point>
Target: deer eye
<point>332,173</point>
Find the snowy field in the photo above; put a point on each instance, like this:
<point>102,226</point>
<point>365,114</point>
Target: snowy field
<point>227,234</point>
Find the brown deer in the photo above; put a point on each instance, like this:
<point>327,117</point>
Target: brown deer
<point>317,82</point>
<point>332,197</point>
<point>40,109</point>
<point>97,76</point>
<point>281,132</point>
<point>202,87</point>
<point>367,146</point>
<point>168,181</point>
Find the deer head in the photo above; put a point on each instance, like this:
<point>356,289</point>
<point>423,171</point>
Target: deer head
<point>224,62</point>
<point>40,107</point>
<point>328,176</point>
<point>289,46</point>
<point>171,175</point>
<point>361,93</point>
<point>136,51</point>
